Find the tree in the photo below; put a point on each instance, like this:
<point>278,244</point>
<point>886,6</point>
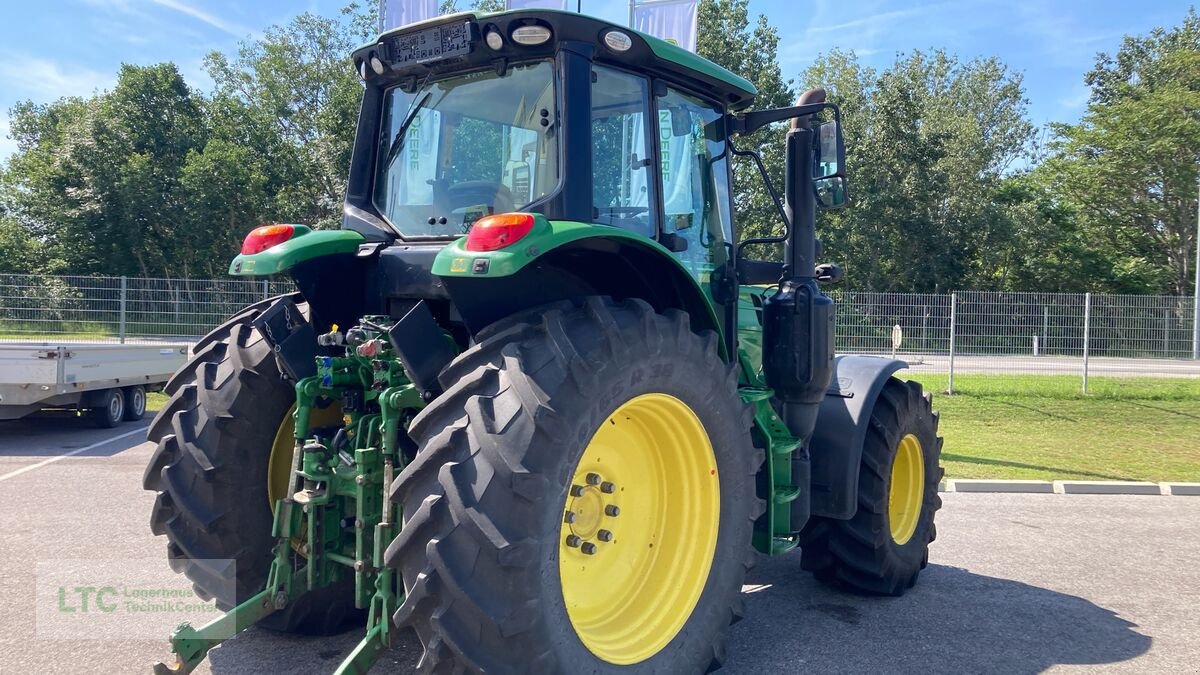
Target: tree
<point>20,251</point>
<point>451,6</point>
<point>929,142</point>
<point>296,90</point>
<point>97,179</point>
<point>1130,166</point>
<point>726,38</point>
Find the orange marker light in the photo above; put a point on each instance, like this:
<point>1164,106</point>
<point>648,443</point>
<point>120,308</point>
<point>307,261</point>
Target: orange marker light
<point>263,238</point>
<point>495,232</point>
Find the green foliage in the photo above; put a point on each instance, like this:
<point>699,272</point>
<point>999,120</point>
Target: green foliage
<point>929,142</point>
<point>727,38</point>
<point>98,180</point>
<point>20,251</point>
<point>156,179</point>
<point>1129,168</point>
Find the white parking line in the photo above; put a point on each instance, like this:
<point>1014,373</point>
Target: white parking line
<point>44,462</point>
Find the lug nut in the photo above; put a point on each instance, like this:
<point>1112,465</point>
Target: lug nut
<point>569,517</point>
<point>593,479</point>
<point>608,488</point>
<point>573,541</point>
<point>604,535</point>
<point>576,490</point>
<point>588,548</point>
<point>612,510</point>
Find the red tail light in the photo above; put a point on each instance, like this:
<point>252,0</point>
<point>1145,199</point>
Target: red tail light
<point>495,232</point>
<point>263,238</point>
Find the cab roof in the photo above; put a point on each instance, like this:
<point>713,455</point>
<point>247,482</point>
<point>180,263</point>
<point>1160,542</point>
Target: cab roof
<point>647,54</point>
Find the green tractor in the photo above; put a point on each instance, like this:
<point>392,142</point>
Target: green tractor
<point>532,400</point>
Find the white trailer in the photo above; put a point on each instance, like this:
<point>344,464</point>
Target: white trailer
<point>109,381</point>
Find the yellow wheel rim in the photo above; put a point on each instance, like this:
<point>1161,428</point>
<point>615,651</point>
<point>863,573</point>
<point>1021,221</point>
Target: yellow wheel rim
<point>639,529</point>
<point>279,464</point>
<point>907,490</point>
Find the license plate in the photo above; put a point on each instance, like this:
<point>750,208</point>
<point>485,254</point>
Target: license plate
<point>432,44</point>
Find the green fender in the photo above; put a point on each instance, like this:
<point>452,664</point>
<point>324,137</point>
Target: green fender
<point>548,237</point>
<point>305,244</point>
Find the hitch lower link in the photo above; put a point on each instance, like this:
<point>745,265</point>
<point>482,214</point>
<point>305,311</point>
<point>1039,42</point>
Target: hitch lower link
<point>302,561</point>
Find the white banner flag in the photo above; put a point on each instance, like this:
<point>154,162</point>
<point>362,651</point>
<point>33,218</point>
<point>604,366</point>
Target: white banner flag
<point>398,13</point>
<point>536,4</point>
<point>671,20</point>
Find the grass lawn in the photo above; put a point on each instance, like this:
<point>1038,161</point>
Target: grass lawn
<point>156,400</point>
<point>1042,427</point>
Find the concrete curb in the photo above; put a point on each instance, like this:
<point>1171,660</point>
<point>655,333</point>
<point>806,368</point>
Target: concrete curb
<point>1069,487</point>
<point>1103,487</point>
<point>1014,486</point>
<point>1181,489</point>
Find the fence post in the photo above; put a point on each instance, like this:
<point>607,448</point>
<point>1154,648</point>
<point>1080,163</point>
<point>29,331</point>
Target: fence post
<point>124,292</point>
<point>1046,329</point>
<point>953,317</point>
<point>1087,325</point>
<point>266,291</point>
<point>1166,333</point>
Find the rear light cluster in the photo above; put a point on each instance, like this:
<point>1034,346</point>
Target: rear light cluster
<point>495,232</point>
<point>263,238</point>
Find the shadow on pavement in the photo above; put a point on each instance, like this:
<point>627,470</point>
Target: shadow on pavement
<point>954,621</point>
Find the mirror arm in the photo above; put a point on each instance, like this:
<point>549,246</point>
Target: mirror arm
<point>762,171</point>
<point>748,123</point>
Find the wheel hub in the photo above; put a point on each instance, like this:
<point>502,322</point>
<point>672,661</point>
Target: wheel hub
<point>639,529</point>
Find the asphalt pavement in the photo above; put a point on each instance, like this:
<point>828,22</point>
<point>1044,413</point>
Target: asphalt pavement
<point>1016,583</point>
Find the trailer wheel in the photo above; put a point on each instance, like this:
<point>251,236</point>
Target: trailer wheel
<point>135,403</point>
<point>111,410</point>
<point>583,498</point>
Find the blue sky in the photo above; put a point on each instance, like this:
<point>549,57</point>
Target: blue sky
<point>56,48</point>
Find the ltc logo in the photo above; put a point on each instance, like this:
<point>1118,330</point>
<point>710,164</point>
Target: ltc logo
<point>86,599</point>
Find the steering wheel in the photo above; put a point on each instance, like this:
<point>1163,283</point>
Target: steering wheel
<point>472,192</point>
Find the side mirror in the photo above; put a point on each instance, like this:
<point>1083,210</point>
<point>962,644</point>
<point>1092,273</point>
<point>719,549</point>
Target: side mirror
<point>831,151</point>
<point>829,171</point>
<point>831,192</point>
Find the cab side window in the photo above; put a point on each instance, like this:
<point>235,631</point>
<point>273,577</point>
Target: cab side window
<point>621,151</point>
<point>695,180</point>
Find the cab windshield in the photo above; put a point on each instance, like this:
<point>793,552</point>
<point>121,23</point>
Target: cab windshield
<point>458,149</point>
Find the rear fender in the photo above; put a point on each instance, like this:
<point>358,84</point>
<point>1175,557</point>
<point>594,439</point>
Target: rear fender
<point>562,260</point>
<point>837,442</point>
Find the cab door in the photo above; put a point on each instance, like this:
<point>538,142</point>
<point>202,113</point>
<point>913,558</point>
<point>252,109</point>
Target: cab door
<point>694,184</point>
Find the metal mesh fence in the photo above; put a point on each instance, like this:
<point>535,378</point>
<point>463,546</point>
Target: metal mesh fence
<point>975,332</point>
<point>121,309</point>
<point>970,332</point>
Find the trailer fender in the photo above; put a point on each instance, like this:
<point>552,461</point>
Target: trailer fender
<point>837,441</point>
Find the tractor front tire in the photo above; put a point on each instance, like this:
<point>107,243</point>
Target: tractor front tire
<point>583,498</point>
<point>883,548</point>
<point>215,436</point>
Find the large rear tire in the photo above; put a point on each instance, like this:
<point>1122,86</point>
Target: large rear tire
<point>210,472</point>
<point>885,545</point>
<point>512,555</point>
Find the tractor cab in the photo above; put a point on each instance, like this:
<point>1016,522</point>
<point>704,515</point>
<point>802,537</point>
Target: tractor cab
<point>552,113</point>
